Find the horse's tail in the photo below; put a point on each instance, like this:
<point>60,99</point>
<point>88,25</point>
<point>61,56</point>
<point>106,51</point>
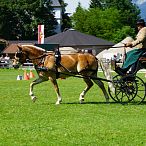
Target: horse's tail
<point>107,73</point>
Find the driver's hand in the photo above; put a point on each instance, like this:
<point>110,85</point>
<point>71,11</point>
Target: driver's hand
<point>128,45</point>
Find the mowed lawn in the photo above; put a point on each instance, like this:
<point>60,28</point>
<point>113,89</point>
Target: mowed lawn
<point>95,123</point>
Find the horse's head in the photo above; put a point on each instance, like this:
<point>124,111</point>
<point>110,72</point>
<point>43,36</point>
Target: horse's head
<point>20,57</point>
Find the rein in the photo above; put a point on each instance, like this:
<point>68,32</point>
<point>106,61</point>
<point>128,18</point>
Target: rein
<point>82,76</point>
<point>42,57</point>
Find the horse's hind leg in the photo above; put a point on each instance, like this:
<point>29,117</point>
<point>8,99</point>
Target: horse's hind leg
<point>89,85</point>
<point>35,82</point>
<point>54,82</point>
<point>101,85</point>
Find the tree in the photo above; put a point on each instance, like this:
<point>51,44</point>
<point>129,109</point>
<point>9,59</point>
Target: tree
<point>129,12</point>
<point>66,21</point>
<point>8,22</point>
<point>23,17</point>
<point>105,24</point>
<point>78,18</point>
<point>96,4</point>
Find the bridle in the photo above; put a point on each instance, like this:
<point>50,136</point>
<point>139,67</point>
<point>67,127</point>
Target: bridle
<point>41,57</point>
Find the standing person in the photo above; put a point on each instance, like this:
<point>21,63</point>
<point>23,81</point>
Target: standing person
<point>139,45</point>
<point>7,59</point>
<point>1,58</point>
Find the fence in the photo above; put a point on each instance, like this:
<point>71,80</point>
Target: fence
<point>9,64</point>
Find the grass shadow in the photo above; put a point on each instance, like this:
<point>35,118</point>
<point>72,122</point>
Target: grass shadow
<point>91,103</point>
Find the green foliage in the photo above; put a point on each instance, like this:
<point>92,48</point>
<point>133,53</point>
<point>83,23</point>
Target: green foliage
<point>123,33</point>
<point>66,21</point>
<point>129,12</point>
<point>100,23</point>
<point>79,18</point>
<point>111,20</point>
<point>23,17</point>
<point>19,19</point>
<point>96,3</point>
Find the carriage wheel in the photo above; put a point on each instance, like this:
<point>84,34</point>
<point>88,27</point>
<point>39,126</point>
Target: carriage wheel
<point>126,89</point>
<point>112,94</point>
<point>141,91</point>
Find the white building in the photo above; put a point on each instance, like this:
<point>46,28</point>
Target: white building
<point>57,9</point>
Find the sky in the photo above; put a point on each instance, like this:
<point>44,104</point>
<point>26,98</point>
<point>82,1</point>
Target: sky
<point>72,4</point>
<point>140,2</point>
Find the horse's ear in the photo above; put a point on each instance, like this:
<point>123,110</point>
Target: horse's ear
<point>19,47</point>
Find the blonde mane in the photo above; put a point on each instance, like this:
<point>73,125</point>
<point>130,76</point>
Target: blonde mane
<point>38,48</point>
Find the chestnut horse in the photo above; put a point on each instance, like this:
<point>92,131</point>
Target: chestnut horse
<point>48,68</point>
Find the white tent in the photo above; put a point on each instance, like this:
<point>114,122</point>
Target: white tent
<point>67,50</point>
<point>116,49</point>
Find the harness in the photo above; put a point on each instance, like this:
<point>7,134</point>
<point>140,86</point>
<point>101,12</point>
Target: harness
<point>57,61</point>
<point>40,66</point>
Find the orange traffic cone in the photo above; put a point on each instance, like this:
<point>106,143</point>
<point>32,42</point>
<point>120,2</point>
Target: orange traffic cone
<point>26,76</point>
<point>31,74</point>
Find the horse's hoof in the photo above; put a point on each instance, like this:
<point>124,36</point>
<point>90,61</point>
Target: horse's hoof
<point>58,102</point>
<point>33,98</point>
<point>81,100</point>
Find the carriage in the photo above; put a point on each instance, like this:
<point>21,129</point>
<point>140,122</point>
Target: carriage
<point>51,66</point>
<point>129,88</point>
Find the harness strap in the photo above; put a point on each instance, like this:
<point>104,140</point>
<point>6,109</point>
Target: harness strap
<point>57,61</point>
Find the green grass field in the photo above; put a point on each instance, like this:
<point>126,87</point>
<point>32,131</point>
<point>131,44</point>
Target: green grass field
<point>95,123</point>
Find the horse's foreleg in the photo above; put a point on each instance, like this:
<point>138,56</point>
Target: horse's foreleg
<point>54,82</point>
<point>101,85</point>
<point>35,82</point>
<point>89,85</point>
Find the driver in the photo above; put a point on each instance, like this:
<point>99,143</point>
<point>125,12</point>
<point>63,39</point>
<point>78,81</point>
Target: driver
<point>139,45</point>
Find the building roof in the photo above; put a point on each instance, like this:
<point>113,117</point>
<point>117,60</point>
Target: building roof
<point>12,47</point>
<point>72,38</point>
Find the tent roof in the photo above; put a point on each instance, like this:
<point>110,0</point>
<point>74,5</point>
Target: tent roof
<point>67,50</point>
<point>117,48</point>
<point>72,37</point>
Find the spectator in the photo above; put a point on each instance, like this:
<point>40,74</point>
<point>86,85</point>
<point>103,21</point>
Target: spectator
<point>7,58</point>
<point>1,58</point>
<point>114,57</point>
